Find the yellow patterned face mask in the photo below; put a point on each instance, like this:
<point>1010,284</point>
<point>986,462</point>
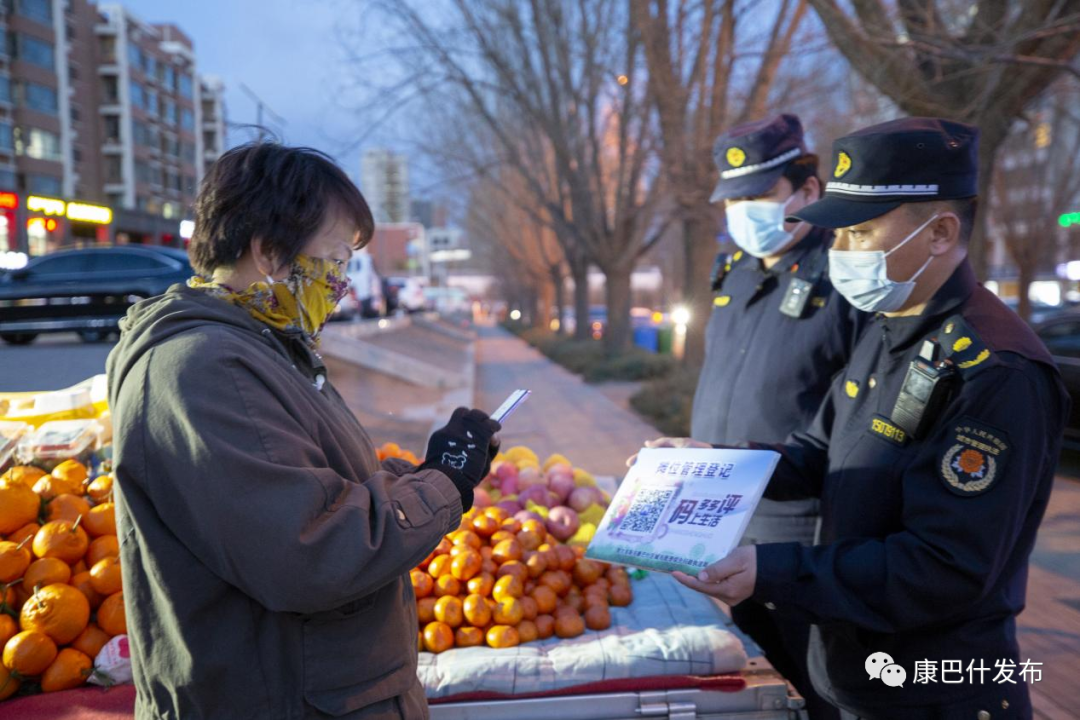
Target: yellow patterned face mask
<point>302,301</point>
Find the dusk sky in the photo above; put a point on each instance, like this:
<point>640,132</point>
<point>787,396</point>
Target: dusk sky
<point>289,52</point>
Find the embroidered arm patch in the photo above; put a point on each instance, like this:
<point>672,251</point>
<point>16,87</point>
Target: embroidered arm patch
<point>974,457</point>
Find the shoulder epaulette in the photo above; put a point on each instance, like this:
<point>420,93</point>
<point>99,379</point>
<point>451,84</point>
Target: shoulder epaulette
<point>722,266</point>
<point>960,343</point>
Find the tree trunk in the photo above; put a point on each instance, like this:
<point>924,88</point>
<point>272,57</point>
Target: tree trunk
<point>580,273</point>
<point>990,141</point>
<point>618,296</point>
<point>545,295</point>
<point>699,240</point>
<point>558,284</point>
<point>1027,276</point>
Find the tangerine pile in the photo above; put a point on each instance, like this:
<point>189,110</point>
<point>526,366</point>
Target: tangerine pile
<point>393,450</point>
<point>502,582</point>
<point>61,598</point>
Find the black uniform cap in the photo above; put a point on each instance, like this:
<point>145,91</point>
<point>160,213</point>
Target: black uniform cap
<point>752,157</point>
<point>882,167</point>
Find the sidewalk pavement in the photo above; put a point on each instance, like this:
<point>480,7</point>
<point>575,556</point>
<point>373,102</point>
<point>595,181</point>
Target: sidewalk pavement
<point>568,416</point>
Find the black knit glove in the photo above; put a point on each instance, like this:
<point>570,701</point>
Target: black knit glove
<point>463,449</point>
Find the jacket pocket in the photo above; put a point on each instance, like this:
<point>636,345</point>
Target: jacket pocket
<point>360,654</point>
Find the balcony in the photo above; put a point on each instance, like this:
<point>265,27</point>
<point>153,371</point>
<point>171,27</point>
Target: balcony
<point>109,70</point>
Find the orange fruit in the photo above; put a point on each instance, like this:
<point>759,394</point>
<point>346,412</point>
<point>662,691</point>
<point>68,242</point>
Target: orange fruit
<point>105,576</point>
<point>59,611</point>
<point>508,612</point>
<point>529,608</point>
<point>46,571</point>
<point>506,551</point>
<point>485,526</point>
<point>29,653</point>
<point>527,631</point>
<point>586,572</point>
<point>508,587</point>
<point>80,567</point>
<point>466,565</point>
<point>8,629</point>
<point>503,636</point>
<point>546,599</point>
<point>69,670</point>
<point>448,610</point>
<point>569,625</point>
<point>529,540</point>
<point>101,520</point>
<point>468,637</point>
<point>511,525</point>
<point>489,566</point>
<point>29,530</point>
<point>545,626</point>
<point>514,568</point>
<point>597,618</point>
<point>485,552</point>
<point>101,548</point>
<point>620,595</point>
<point>9,685</point>
<point>111,616</point>
<point>440,566</point>
<point>91,640</point>
<point>425,610</point>
<point>82,583</point>
<point>438,637</point>
<point>617,576</point>
<point>48,487</point>
<point>447,585</point>
<point>422,584</point>
<point>22,475</point>
<point>467,538</point>
<point>66,507</point>
<point>535,563</point>
<point>14,560</point>
<point>534,527</point>
<point>498,513</point>
<point>71,471</point>
<point>556,581</point>
<point>100,490</point>
<point>61,539</point>
<point>567,558</point>
<point>19,505</point>
<point>482,584</point>
<point>501,536</point>
<point>476,610</point>
<point>575,600</point>
<point>596,600</point>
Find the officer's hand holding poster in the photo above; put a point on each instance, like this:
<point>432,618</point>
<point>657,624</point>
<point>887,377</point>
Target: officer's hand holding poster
<point>682,509</point>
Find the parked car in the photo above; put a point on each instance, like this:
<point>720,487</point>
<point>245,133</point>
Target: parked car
<point>1062,336</point>
<point>408,293</point>
<point>84,290</point>
<point>448,300</point>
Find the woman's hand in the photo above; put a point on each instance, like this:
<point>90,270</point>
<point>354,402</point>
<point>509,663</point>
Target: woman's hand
<point>465,446</point>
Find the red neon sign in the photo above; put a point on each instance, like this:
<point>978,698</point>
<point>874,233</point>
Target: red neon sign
<point>9,201</point>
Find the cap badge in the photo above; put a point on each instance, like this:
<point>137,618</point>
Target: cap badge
<point>736,157</point>
<point>843,164</point>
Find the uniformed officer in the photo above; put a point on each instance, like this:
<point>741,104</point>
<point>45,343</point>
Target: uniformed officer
<point>933,453</point>
<point>778,330</point>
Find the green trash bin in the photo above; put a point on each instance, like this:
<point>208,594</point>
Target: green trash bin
<point>664,340</point>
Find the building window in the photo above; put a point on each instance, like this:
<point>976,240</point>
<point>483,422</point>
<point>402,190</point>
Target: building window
<point>150,68</point>
<point>137,95</point>
<point>151,106</point>
<point>134,56</point>
<point>43,185</point>
<point>73,72</point>
<point>112,129</point>
<point>5,88</point>
<point>7,180</point>
<point>36,52</point>
<point>187,120</point>
<point>38,97</point>
<point>7,137</point>
<point>76,116</point>
<point>169,80</point>
<point>113,173</point>
<point>169,115</point>
<point>38,144</point>
<point>40,10</point>
<point>185,86</point>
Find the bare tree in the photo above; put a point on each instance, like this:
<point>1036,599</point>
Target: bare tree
<point>568,73</point>
<point>694,75</point>
<point>981,61</point>
<point>1036,181</point>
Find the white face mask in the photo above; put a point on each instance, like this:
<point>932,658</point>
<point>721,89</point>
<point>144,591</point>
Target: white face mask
<point>862,277</point>
<point>757,226</point>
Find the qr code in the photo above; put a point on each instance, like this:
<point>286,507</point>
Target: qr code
<point>647,509</point>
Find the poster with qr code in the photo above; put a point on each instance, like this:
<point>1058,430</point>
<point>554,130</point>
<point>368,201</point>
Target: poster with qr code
<point>682,509</point>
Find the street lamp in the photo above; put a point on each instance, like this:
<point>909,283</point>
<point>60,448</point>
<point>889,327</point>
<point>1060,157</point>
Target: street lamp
<point>680,315</point>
